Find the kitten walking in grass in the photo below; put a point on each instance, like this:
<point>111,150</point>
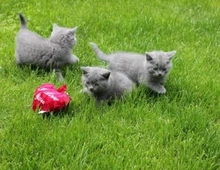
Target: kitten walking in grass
<point>52,53</point>
<point>150,69</point>
<point>104,84</point>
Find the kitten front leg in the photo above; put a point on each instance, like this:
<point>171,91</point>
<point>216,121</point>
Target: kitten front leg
<point>85,90</point>
<point>159,88</point>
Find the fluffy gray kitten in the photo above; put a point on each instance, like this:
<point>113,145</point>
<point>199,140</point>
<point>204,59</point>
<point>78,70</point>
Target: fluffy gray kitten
<point>150,69</point>
<point>104,84</point>
<point>52,53</point>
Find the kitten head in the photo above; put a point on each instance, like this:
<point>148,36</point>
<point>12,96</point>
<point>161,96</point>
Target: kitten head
<point>159,63</point>
<point>63,36</point>
<point>95,79</point>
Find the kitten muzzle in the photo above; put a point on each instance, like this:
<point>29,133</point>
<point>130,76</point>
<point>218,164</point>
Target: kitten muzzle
<point>91,88</point>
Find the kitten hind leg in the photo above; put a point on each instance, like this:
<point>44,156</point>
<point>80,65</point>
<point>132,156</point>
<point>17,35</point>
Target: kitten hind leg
<point>59,75</point>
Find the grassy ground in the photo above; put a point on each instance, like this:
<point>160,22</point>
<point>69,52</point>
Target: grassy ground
<point>179,130</point>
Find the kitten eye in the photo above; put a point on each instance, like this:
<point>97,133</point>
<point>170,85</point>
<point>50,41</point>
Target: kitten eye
<point>96,84</point>
<point>164,69</point>
<point>155,69</point>
<point>71,37</point>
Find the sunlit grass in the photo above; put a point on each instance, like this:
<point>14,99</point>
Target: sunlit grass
<point>178,130</point>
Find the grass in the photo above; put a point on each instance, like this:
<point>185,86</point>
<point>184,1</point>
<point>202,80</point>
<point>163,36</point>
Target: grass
<point>178,130</point>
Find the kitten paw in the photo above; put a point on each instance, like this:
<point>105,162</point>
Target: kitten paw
<point>158,88</point>
<point>60,78</point>
<point>59,75</point>
<point>162,91</point>
<point>74,59</point>
<point>82,91</point>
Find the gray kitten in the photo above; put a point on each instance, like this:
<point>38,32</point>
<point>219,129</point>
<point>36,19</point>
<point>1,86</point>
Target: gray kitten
<point>150,69</point>
<point>104,84</point>
<point>52,53</point>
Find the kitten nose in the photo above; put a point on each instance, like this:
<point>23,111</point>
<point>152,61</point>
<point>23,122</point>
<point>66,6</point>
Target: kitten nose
<point>159,74</point>
<point>91,88</point>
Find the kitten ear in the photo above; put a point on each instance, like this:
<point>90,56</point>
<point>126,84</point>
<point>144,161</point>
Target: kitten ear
<point>85,70</point>
<point>148,57</point>
<point>55,26</point>
<point>73,30</point>
<point>171,54</point>
<point>106,74</point>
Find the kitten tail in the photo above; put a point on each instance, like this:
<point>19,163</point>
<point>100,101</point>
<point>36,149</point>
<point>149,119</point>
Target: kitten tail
<point>23,21</point>
<point>98,52</point>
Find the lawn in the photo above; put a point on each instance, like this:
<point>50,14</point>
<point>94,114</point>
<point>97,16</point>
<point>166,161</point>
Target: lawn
<point>178,130</point>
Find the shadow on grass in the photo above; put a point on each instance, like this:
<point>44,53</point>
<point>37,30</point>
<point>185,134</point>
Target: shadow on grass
<point>86,107</point>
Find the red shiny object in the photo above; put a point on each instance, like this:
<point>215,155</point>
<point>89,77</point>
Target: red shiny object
<point>49,99</point>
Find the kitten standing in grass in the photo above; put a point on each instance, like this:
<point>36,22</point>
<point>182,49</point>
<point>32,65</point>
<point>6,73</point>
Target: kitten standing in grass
<point>151,69</point>
<point>52,53</point>
<point>104,84</point>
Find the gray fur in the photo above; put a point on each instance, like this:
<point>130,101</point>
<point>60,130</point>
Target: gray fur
<point>52,53</point>
<point>150,69</point>
<point>104,84</point>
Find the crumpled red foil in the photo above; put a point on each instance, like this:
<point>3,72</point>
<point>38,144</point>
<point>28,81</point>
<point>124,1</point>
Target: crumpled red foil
<point>49,99</point>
